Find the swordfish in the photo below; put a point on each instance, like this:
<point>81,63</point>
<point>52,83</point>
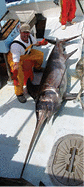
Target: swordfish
<point>51,92</point>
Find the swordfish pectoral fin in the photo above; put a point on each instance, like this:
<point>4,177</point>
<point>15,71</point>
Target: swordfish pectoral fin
<point>69,54</point>
<point>69,96</point>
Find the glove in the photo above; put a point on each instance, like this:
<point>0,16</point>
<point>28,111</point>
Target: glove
<point>43,42</point>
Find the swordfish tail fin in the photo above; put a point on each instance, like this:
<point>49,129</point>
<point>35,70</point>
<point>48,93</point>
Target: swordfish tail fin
<point>63,41</point>
<point>34,138</point>
<point>68,39</point>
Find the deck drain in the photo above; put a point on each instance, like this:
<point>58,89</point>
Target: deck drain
<point>65,166</point>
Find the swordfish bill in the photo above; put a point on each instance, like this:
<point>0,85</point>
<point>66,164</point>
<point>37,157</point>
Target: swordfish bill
<point>34,138</point>
<point>51,90</point>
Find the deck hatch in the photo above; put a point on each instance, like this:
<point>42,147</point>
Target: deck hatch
<point>65,166</point>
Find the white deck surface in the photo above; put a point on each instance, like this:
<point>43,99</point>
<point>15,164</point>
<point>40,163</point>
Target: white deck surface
<point>17,121</point>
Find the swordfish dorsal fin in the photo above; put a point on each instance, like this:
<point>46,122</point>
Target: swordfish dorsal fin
<point>69,54</point>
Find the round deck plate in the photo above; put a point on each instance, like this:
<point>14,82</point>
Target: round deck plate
<point>65,166</point>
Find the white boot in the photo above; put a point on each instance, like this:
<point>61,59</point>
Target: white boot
<point>63,27</point>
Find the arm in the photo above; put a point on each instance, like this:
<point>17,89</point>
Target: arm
<point>16,56</point>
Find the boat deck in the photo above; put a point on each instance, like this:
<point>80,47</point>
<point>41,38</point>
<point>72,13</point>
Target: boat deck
<point>18,121</point>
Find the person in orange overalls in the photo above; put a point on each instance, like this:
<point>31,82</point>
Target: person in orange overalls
<point>23,59</point>
<point>68,9</point>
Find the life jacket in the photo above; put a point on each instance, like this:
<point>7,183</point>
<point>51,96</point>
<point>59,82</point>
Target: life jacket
<point>16,41</point>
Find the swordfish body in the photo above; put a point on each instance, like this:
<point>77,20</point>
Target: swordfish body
<point>53,84</point>
<point>50,93</point>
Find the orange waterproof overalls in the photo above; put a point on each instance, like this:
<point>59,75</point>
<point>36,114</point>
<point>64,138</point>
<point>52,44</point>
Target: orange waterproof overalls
<point>68,9</point>
<point>26,64</point>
